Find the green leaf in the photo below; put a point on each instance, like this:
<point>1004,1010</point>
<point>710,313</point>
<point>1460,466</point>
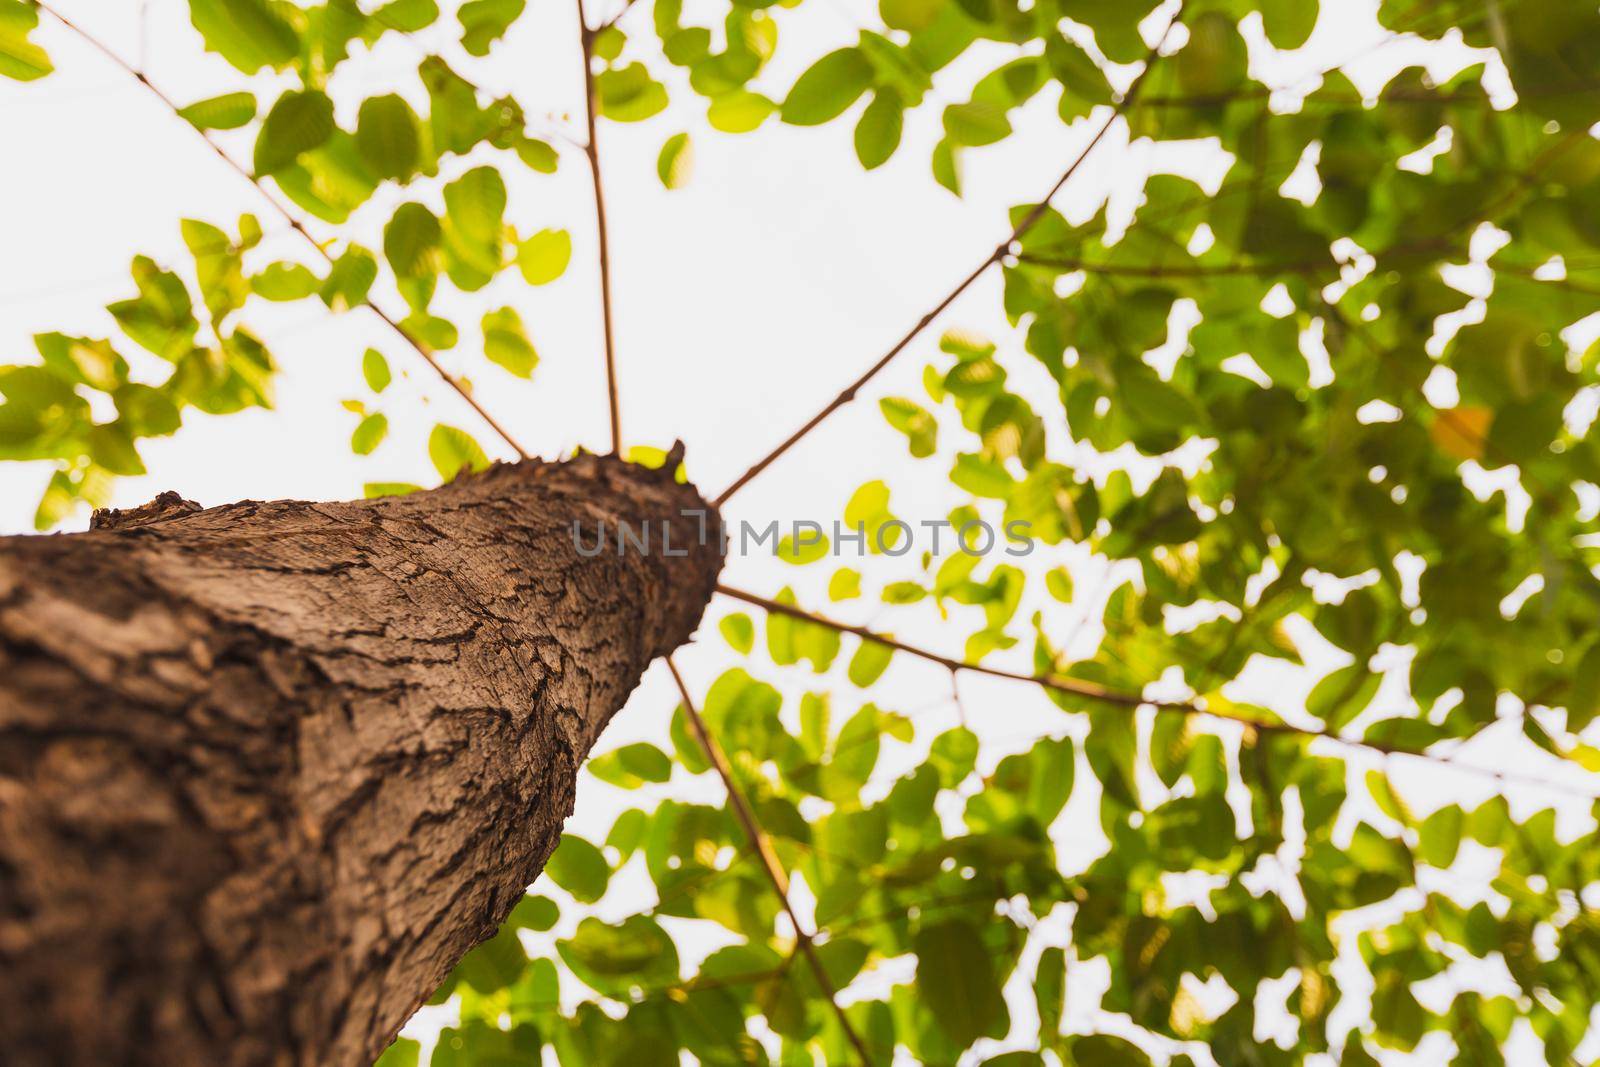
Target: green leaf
<point>536,154</point>
<point>845,584</point>
<point>903,593</point>
<point>430,331</point>
<point>161,318</point>
<point>369,434</point>
<point>407,16</point>
<point>1059,584</point>
<point>947,166</point>
<point>226,112</point>
<point>284,282</point>
<point>403,1052</point>
<point>631,766</point>
<point>20,58</point>
<point>739,111</point>
<point>494,964</point>
<point>389,137</point>
<point>299,121</point>
<point>483,22</point>
<point>1152,402</point>
<point>1050,991</point>
<point>453,451</point>
<point>629,94</point>
<point>1342,695</point>
<point>956,981</point>
<point>111,446</point>
<point>913,420</point>
<point>1288,22</point>
<point>411,242</point>
<point>579,868</point>
<point>676,162</point>
<point>146,411</point>
<point>56,503</point>
<point>1083,85</point>
<point>828,88</point>
<point>1440,836</point>
<point>543,257</point>
<point>867,511</point>
<point>739,631</point>
<point>953,755</point>
<point>506,343</point>
<point>375,369</point>
<point>349,279</point>
<point>869,662</point>
<point>855,754</point>
<point>250,34</point>
<point>910,15</point>
<point>476,204</point>
<point>975,124</point>
<point>373,490</point>
<point>982,477</point>
<point>608,43</point>
<point>534,913</point>
<point>76,359</point>
<point>685,745</point>
<point>1213,61</point>
<point>612,959</point>
<point>1106,1050</point>
<point>878,132</point>
<point>790,640</point>
<point>811,546</point>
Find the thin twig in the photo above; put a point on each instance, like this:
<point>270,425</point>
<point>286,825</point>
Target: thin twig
<point>1028,222</point>
<point>1176,270</point>
<point>1120,698</point>
<point>288,217</point>
<point>591,152</point>
<point>614,19</point>
<point>769,858</point>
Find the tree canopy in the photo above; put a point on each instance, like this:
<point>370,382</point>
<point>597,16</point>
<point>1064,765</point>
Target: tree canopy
<point>1340,395</point>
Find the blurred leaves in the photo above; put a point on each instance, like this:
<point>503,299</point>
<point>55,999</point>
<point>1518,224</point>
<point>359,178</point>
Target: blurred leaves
<point>1256,411</point>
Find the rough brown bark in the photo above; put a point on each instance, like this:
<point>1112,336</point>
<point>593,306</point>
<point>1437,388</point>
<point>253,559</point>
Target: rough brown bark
<point>267,771</point>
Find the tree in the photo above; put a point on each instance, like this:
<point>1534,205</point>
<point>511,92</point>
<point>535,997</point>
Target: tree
<point>274,768</point>
<point>1325,418</point>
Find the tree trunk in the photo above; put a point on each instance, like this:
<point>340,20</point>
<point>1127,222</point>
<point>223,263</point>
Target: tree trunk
<point>267,771</point>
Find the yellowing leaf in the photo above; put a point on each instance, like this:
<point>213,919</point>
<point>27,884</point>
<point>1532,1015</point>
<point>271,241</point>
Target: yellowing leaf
<point>369,434</point>
<point>739,111</point>
<point>543,257</point>
<point>375,369</point>
<point>676,162</point>
<point>20,58</point>
<point>1462,432</point>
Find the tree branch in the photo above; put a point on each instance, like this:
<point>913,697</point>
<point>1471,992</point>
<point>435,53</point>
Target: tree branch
<point>1176,270</point>
<point>763,846</point>
<point>288,217</point>
<point>591,152</point>
<point>1119,698</point>
<point>1028,222</point>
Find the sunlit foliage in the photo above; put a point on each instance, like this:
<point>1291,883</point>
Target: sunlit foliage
<point>1347,354</point>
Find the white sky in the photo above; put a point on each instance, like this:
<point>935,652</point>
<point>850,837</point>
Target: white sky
<point>744,302</point>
